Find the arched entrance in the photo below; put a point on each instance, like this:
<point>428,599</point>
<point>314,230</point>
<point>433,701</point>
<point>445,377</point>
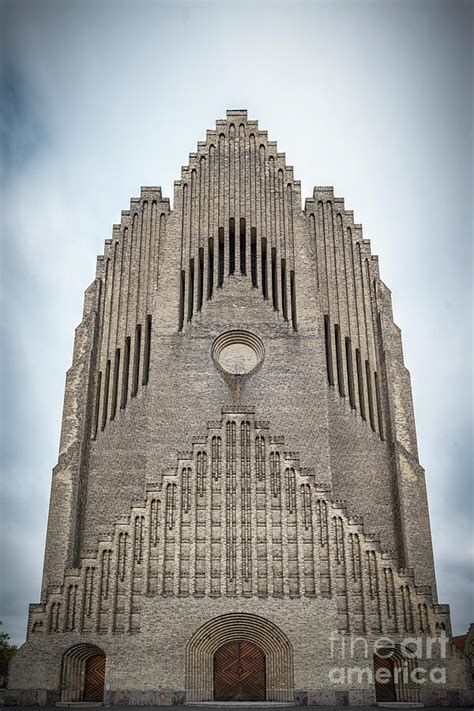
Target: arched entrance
<point>239,672</point>
<point>83,673</point>
<point>268,644</point>
<point>392,675</point>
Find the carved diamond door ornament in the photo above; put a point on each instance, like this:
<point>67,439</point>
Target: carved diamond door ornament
<point>239,672</point>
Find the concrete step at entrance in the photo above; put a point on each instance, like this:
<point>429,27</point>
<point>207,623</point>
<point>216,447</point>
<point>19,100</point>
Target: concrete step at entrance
<point>79,704</point>
<point>241,704</point>
<point>401,704</point>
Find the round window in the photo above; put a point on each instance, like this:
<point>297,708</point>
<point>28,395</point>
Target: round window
<point>238,352</point>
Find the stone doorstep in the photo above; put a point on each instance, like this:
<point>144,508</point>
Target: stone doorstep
<point>79,704</point>
<point>241,704</point>
<point>401,704</point>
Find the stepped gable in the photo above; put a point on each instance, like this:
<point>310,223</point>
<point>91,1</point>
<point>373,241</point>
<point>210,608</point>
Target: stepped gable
<point>237,190</point>
<point>169,544</point>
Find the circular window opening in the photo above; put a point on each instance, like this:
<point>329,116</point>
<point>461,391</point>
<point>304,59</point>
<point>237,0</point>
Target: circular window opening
<point>238,352</point>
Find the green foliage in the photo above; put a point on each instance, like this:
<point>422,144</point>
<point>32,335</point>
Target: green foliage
<point>7,651</point>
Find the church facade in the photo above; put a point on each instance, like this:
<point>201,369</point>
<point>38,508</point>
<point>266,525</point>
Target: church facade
<point>238,511</point>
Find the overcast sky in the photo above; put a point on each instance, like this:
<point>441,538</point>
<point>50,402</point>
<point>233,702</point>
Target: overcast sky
<point>100,98</point>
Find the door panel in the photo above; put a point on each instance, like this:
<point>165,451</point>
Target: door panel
<point>384,690</point>
<point>239,672</point>
<point>95,677</point>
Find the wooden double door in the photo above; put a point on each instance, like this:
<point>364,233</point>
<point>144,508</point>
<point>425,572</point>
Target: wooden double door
<point>239,672</point>
<point>95,678</point>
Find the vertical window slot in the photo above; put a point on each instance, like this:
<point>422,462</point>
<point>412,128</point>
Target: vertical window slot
<point>370,395</point>
<point>293,300</point>
<point>191,290</point>
<point>136,359</point>
<point>147,351</point>
<point>105,404</point>
<point>379,406</point>
<point>200,278</point>
<point>210,267</point>
<point>339,365</point>
<point>350,373</point>
<point>253,256</point>
<point>264,268</point>
<point>115,384</point>
<point>274,280</point>
<point>126,369</point>
<point>360,384</point>
<point>97,405</point>
<point>328,344</point>
<point>284,297</point>
<point>243,247</point>
<point>182,295</point>
<point>231,246</point>
<point>220,276</point>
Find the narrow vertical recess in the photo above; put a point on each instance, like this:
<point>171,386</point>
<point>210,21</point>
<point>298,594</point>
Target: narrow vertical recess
<point>231,246</point>
<point>147,351</point>
<point>264,268</point>
<point>360,384</point>
<point>284,297</point>
<point>182,296</point>
<point>339,365</point>
<point>379,406</point>
<point>274,279</point>
<point>243,247</point>
<point>294,317</point>
<point>220,276</point>
<point>210,267</point>
<point>350,373</point>
<point>97,405</point>
<point>370,395</point>
<point>253,256</point>
<point>328,343</point>
<point>125,373</point>
<point>136,359</point>
<point>105,404</point>
<point>191,290</point>
<point>200,278</point>
<point>115,384</point>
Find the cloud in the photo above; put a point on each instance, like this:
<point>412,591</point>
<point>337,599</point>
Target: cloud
<point>100,98</point>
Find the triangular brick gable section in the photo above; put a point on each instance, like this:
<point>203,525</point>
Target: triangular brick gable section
<point>239,516</point>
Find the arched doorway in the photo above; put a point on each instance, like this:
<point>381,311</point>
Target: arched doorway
<point>393,668</point>
<point>83,673</point>
<point>239,627</point>
<point>239,672</point>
